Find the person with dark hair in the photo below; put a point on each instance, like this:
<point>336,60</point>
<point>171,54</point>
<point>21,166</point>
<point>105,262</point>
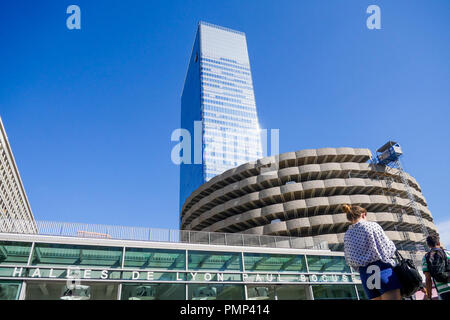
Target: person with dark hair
<point>368,250</point>
<point>436,266</point>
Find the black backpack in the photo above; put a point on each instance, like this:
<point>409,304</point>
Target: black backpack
<point>437,263</point>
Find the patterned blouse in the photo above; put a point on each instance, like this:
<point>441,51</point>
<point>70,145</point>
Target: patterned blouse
<point>365,242</point>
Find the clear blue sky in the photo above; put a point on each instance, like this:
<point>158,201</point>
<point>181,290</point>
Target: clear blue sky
<point>89,112</point>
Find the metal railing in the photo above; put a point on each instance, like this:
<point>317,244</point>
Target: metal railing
<point>98,231</point>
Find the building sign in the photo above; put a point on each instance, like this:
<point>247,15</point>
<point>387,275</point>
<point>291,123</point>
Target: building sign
<point>187,276</point>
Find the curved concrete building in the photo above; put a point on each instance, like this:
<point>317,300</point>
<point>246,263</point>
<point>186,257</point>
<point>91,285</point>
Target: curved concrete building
<point>300,194</point>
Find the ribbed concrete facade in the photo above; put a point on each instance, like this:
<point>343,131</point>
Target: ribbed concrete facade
<point>15,211</point>
<point>303,196</point>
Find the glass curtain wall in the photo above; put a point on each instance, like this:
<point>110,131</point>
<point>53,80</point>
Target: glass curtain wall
<point>230,122</point>
<point>188,274</point>
<point>277,292</point>
<point>218,94</point>
<point>335,291</point>
<point>10,290</point>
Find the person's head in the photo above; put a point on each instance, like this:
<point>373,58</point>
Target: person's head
<point>354,213</point>
<point>433,241</point>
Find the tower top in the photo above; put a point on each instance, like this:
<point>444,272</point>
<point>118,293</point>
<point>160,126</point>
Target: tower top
<point>220,27</point>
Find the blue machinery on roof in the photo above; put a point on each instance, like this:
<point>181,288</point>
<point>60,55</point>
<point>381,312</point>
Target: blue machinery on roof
<point>390,152</point>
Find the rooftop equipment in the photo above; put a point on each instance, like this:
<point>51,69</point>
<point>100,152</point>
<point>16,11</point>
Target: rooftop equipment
<point>389,152</point>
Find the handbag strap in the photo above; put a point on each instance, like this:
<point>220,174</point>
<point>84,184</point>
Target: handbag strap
<point>399,256</point>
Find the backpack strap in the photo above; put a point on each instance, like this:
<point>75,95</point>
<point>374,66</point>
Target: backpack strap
<point>444,255</point>
<point>427,259</point>
<point>446,259</point>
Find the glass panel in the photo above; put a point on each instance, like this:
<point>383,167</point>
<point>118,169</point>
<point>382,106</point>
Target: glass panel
<point>155,259</point>
<point>14,252</point>
<point>9,272</point>
<point>215,292</point>
<point>157,291</point>
<point>41,290</point>
<point>9,290</point>
<point>327,264</point>
<point>277,292</point>
<point>260,292</point>
<point>220,261</point>
<point>323,292</point>
<point>61,254</point>
<point>274,262</point>
<point>292,292</point>
<point>361,292</point>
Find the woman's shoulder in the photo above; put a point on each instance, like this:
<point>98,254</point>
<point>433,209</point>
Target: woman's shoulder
<point>364,227</point>
<point>350,231</point>
<point>372,225</point>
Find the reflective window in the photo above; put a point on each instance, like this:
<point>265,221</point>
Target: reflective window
<point>14,252</point>
<point>204,260</point>
<point>227,108</point>
<point>291,292</point>
<point>42,290</point>
<point>327,264</point>
<point>260,292</point>
<point>157,291</point>
<point>61,254</point>
<point>274,262</point>
<point>277,292</point>
<point>215,292</point>
<point>361,292</point>
<point>9,290</point>
<point>7,272</point>
<point>323,292</point>
<point>155,259</point>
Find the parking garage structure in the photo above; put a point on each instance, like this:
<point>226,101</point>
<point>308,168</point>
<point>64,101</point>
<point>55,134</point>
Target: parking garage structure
<point>300,194</point>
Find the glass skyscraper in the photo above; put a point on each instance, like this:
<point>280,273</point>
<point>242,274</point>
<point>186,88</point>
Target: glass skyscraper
<point>218,103</point>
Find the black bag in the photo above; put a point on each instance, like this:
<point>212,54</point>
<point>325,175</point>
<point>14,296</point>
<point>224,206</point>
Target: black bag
<point>437,263</point>
<point>408,276</point>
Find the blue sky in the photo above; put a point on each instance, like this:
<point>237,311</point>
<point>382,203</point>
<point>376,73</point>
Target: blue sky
<point>89,112</point>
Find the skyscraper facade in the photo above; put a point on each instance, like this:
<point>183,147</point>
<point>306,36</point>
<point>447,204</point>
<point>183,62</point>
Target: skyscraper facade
<point>218,104</point>
<point>15,211</point>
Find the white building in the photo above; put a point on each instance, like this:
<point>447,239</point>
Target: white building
<point>15,210</point>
